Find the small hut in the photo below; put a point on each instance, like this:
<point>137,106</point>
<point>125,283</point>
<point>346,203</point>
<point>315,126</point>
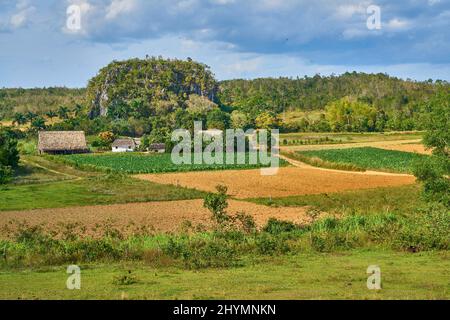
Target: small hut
<point>62,142</point>
<point>124,145</point>
<point>157,148</point>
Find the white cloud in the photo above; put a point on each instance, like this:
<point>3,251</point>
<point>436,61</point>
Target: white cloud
<point>118,7</point>
<point>397,24</point>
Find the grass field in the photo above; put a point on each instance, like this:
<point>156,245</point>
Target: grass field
<point>146,163</point>
<point>339,275</point>
<point>368,158</point>
<point>90,191</point>
<point>401,200</point>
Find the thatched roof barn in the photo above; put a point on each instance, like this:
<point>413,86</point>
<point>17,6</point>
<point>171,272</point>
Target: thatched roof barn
<point>62,142</point>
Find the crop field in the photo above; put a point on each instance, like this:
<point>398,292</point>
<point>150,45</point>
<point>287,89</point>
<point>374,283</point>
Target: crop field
<point>369,158</point>
<point>288,181</point>
<point>145,163</point>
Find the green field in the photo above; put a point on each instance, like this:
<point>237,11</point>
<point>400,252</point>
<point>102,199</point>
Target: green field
<point>368,158</point>
<point>41,183</point>
<point>339,275</point>
<point>147,163</point>
<point>90,191</point>
<point>401,200</point>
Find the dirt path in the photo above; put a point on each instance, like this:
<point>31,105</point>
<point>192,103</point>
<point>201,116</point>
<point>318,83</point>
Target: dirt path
<point>35,164</point>
<point>165,216</point>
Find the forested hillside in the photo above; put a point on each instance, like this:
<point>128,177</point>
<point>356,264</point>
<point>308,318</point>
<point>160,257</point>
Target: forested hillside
<point>314,93</point>
<point>37,100</point>
<point>154,96</point>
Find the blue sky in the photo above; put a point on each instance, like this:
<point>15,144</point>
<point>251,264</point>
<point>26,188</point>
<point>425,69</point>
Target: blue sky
<point>237,38</point>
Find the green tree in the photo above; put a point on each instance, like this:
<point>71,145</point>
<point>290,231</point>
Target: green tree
<point>63,112</point>
<point>239,120</point>
<point>434,172</point>
<point>9,154</point>
<point>38,123</point>
<point>217,119</point>
<point>51,114</point>
<point>266,120</point>
<point>217,203</point>
<point>19,119</point>
<point>348,114</point>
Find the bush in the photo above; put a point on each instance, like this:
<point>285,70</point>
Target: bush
<point>427,230</point>
<point>275,226</point>
<point>5,174</point>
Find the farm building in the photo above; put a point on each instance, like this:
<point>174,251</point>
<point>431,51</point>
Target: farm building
<point>126,145</point>
<point>157,147</point>
<point>212,133</point>
<point>62,142</point>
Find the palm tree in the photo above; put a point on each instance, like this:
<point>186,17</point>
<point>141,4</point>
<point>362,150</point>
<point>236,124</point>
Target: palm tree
<point>19,119</point>
<point>77,110</point>
<point>51,114</point>
<point>38,123</point>
<point>30,115</point>
<point>63,112</point>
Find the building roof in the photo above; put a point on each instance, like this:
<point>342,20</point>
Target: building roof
<point>157,146</point>
<point>127,143</point>
<point>62,140</point>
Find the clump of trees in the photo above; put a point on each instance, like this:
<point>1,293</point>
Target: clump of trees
<point>9,155</point>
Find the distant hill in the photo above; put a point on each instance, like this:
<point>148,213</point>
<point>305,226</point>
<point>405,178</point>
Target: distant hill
<point>156,87</point>
<point>148,85</point>
<point>38,100</point>
<point>314,93</point>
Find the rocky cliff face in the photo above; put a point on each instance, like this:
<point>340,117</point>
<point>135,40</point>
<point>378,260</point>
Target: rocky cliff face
<point>150,80</point>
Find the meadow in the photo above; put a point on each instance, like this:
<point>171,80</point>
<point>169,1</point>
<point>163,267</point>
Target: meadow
<point>134,163</point>
<point>367,158</point>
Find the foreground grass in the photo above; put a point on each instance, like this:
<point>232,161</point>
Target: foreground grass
<point>340,275</point>
<point>402,200</point>
<point>368,158</point>
<point>95,190</point>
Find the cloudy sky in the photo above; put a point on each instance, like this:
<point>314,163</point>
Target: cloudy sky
<point>42,43</point>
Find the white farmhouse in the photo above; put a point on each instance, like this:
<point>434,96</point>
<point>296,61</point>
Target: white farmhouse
<point>124,145</point>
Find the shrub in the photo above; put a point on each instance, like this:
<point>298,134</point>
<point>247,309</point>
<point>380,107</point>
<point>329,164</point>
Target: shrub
<point>428,229</point>
<point>217,203</point>
<point>275,226</point>
<point>5,174</point>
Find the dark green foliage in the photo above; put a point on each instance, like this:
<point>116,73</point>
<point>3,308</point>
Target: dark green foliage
<point>434,172</point>
<point>9,154</point>
<point>5,174</point>
<point>275,226</point>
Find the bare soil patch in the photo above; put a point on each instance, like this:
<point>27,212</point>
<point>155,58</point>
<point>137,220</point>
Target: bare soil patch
<point>168,216</point>
<point>375,144</point>
<point>288,182</point>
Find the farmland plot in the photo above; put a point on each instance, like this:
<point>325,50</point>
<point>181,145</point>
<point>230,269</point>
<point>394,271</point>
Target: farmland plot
<point>369,158</point>
<point>143,163</point>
